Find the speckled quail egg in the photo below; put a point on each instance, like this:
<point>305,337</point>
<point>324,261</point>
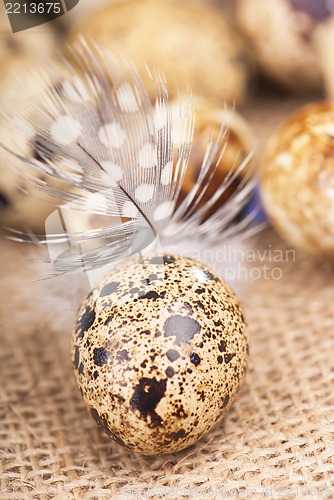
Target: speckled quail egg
<point>236,146</point>
<point>189,42</point>
<point>297,178</point>
<point>18,52</point>
<point>292,40</point>
<point>160,349</point>
<point>23,206</point>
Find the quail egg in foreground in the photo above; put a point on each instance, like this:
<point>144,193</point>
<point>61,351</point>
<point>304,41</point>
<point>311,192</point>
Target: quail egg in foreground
<point>160,349</point>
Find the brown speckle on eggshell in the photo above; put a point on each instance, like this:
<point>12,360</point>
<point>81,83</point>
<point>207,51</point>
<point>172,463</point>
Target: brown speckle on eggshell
<point>160,349</point>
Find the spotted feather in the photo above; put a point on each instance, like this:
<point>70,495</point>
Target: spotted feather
<point>103,148</point>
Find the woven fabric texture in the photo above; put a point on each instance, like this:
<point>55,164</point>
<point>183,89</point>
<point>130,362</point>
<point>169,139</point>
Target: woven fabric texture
<point>276,441</point>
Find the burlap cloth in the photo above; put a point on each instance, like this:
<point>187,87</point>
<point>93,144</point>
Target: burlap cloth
<point>276,442</point>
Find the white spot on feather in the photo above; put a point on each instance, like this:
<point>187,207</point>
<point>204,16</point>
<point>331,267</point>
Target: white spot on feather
<point>75,92</point>
<point>112,173</point>
<point>71,165</point>
<point>129,210</point>
<point>112,135</point>
<point>25,128</point>
<point>164,210</point>
<point>144,193</point>
<point>76,178</point>
<point>65,130</point>
<point>161,116</point>
<point>147,156</point>
<point>127,98</point>
<point>166,173</point>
